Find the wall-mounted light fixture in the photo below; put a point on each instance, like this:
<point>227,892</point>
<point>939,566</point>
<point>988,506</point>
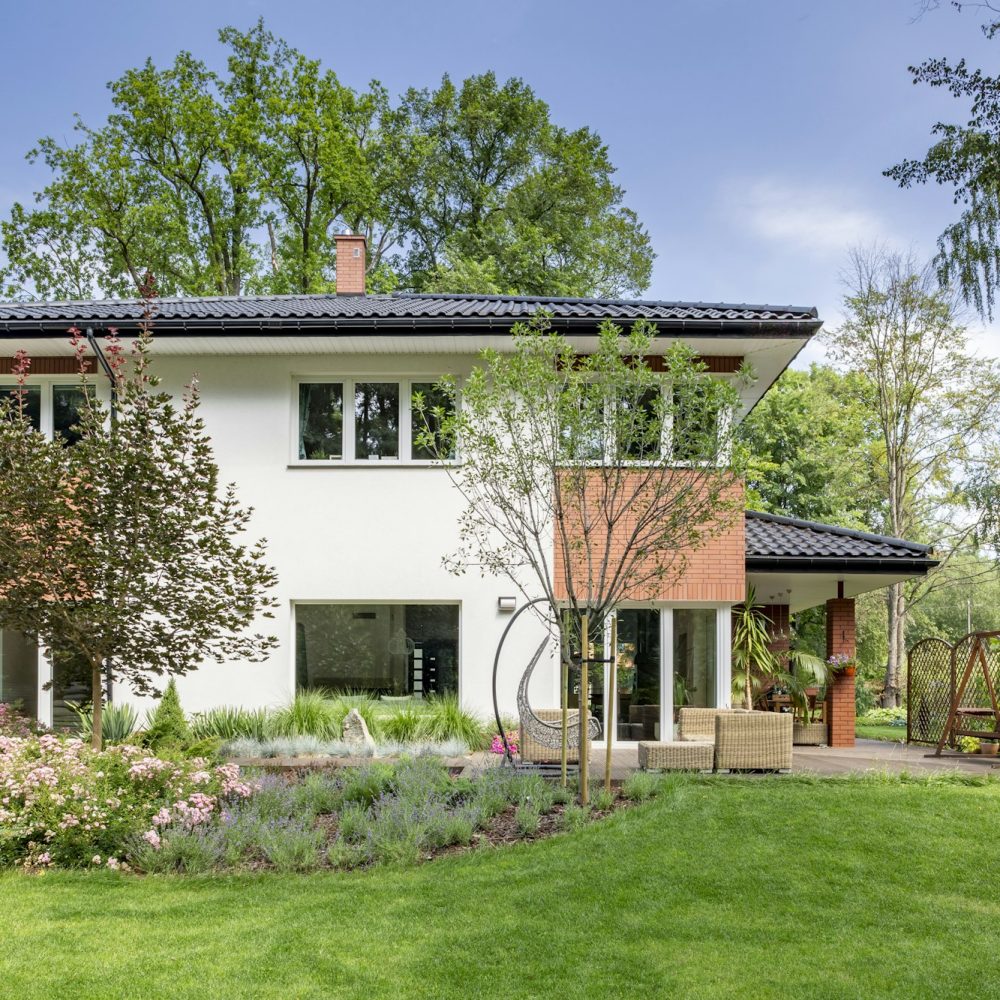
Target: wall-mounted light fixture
<point>506,604</point>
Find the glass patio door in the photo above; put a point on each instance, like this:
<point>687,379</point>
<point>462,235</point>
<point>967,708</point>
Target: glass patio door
<point>638,698</point>
<point>695,657</point>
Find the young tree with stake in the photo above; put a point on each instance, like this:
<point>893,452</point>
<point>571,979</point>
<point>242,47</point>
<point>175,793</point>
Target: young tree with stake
<point>123,547</point>
<point>586,478</point>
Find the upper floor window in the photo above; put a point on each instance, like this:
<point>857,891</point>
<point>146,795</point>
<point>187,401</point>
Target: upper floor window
<point>363,420</point>
<point>54,408</point>
<point>646,426</point>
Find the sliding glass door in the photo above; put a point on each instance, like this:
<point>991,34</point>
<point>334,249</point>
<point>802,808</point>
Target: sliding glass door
<point>638,676</point>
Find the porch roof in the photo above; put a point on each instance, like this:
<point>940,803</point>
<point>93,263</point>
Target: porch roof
<point>803,563</point>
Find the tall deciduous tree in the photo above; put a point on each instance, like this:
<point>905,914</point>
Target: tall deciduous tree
<point>936,408</point>
<point>810,448</point>
<point>965,157</point>
<point>124,547</point>
<point>229,182</point>
<point>586,479</point>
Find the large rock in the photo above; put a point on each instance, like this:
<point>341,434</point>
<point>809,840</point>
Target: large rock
<point>356,731</point>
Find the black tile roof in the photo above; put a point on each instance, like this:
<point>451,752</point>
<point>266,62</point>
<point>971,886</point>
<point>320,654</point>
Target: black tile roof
<point>407,310</point>
<point>773,542</point>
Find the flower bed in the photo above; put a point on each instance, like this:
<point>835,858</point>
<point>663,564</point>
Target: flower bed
<point>62,803</point>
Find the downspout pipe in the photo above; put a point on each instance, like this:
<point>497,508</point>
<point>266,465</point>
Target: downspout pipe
<point>113,409</point>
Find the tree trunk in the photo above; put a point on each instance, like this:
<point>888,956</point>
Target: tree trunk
<point>96,736</point>
<point>612,687</point>
<point>564,705</point>
<point>584,710</point>
<point>896,606</point>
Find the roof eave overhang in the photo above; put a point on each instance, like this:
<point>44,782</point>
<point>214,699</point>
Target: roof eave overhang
<point>430,325</point>
<point>889,567</point>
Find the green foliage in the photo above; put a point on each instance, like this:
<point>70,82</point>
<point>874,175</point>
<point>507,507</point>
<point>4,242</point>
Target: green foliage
<point>228,723</point>
<point>292,846</point>
<point>883,717</point>
<point>168,726</point>
<point>527,819</point>
<point>468,187</point>
<point>640,786</point>
<point>574,817</point>
<point>405,724</point>
<point>310,713</point>
<point>192,851</point>
<point>601,800</point>
<point>365,784</point>
<point>751,653</point>
<point>445,719</point>
<point>118,721</point>
<point>93,804</point>
<point>811,441</point>
<point>961,158</point>
<point>178,583</point>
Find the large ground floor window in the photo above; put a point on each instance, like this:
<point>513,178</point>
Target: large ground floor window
<point>19,672</point>
<point>395,649</point>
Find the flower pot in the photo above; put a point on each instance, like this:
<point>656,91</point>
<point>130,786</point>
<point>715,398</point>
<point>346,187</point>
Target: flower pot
<point>848,671</point>
<point>988,749</point>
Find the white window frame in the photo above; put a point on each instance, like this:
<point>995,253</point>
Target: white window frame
<point>46,383</point>
<point>723,664</point>
<point>348,380</point>
<point>725,420</point>
<point>296,603</point>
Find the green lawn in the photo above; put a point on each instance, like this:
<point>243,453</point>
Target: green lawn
<point>724,887</point>
<point>890,734</point>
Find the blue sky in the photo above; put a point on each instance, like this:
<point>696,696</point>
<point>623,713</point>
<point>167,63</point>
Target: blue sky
<point>750,136</point>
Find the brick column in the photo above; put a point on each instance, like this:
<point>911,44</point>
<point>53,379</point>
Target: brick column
<point>840,638</point>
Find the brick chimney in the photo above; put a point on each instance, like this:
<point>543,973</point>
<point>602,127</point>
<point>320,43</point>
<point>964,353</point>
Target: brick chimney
<point>351,263</point>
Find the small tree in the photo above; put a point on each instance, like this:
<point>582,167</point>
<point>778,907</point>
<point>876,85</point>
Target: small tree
<point>589,478</point>
<point>123,546</point>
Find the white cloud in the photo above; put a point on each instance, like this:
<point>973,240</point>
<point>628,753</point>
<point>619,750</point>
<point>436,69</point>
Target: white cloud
<point>822,220</point>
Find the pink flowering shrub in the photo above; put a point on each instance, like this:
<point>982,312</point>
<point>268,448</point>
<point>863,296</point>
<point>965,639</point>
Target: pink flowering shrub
<point>497,745</point>
<point>62,803</point>
<point>14,723</point>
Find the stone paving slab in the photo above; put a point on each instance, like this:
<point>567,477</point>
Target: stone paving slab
<point>866,755</point>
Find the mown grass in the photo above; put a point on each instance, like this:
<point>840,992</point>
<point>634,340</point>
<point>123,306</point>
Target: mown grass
<point>888,734</point>
<point>760,888</point>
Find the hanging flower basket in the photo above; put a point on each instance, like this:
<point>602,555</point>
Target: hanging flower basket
<point>842,664</point>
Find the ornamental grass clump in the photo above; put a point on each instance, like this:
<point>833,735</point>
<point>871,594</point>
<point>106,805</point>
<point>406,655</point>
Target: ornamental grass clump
<point>310,713</point>
<point>66,804</point>
<point>447,720</point>
<point>640,786</point>
<point>229,723</point>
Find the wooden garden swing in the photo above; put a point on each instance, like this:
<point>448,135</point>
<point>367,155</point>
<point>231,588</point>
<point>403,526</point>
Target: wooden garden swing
<point>959,716</point>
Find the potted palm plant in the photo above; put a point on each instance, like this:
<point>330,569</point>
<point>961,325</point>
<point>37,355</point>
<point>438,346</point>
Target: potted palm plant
<point>756,664</point>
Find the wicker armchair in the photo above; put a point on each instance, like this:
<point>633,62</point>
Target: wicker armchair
<point>698,724</point>
<point>531,751</point>
<point>753,741</point>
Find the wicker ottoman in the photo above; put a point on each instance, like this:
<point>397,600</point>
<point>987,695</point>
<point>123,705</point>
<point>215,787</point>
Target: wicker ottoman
<point>687,756</point>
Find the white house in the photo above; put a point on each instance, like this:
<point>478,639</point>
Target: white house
<point>307,399</point>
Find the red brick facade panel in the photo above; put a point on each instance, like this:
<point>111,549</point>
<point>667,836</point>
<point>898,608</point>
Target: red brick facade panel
<point>713,569</point>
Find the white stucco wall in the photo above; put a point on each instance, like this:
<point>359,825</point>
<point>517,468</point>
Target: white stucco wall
<point>377,532</point>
